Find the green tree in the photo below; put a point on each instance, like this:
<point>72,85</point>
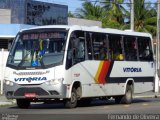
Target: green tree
<point>145,17</point>
<point>115,13</point>
<point>90,10</point>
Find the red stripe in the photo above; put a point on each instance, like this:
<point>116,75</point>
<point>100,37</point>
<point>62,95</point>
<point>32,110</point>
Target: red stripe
<point>108,63</point>
<point>104,72</point>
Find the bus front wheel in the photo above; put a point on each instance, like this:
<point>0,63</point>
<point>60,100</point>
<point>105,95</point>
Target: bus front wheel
<point>23,103</point>
<point>72,102</point>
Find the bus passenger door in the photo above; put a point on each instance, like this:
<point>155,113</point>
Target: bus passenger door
<point>76,55</point>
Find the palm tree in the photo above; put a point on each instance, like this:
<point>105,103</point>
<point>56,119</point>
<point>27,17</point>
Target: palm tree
<point>115,13</point>
<point>90,11</point>
<point>145,17</point>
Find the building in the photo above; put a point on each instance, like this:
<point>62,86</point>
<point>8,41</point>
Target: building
<point>19,14</point>
<point>34,12</point>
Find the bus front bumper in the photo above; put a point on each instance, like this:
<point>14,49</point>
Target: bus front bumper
<point>41,91</point>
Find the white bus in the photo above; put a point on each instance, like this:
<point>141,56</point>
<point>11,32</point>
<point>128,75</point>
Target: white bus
<point>74,64</point>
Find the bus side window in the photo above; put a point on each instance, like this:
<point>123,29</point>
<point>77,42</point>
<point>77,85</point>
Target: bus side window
<point>76,49</point>
<point>130,47</point>
<point>145,49</point>
<point>80,50</point>
<point>96,45</point>
<point>100,46</point>
<point>115,47</point>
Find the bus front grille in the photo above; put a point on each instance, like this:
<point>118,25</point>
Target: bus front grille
<point>37,90</point>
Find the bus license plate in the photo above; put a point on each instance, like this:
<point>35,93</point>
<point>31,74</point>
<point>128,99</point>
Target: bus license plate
<point>30,95</point>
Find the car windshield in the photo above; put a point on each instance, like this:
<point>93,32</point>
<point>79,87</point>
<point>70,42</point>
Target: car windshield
<point>38,48</point>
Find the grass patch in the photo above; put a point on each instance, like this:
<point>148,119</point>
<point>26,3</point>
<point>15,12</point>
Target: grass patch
<point>8,105</point>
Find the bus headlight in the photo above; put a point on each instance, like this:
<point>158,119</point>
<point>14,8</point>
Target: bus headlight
<point>9,83</point>
<point>54,81</point>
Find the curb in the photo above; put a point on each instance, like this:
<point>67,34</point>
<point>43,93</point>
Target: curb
<point>6,103</point>
<point>146,96</point>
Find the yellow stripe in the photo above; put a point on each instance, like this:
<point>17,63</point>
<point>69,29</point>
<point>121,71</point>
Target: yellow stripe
<point>99,71</point>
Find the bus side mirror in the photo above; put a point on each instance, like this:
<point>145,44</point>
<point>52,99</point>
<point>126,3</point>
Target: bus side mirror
<point>9,46</point>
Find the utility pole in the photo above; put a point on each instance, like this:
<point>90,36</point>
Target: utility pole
<point>132,15</point>
<point>158,33</point>
<point>157,47</point>
<point>2,75</point>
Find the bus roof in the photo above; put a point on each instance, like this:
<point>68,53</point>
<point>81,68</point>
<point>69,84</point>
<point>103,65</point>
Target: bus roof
<point>93,29</point>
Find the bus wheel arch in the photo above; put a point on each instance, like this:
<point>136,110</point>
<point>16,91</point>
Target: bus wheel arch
<point>129,82</point>
<point>77,85</point>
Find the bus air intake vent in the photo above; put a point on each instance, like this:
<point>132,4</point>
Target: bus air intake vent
<point>37,90</point>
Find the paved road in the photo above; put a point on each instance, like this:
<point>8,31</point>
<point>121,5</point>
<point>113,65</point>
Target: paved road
<point>97,110</point>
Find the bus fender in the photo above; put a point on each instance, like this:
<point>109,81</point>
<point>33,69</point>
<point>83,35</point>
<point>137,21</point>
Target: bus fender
<point>71,87</point>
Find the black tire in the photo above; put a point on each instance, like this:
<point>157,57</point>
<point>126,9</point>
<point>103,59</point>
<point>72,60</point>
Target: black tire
<point>23,103</point>
<point>72,102</point>
<point>127,98</point>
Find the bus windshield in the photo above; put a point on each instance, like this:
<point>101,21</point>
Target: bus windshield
<point>38,49</point>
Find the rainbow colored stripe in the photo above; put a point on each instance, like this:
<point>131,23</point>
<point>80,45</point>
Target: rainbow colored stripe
<point>102,72</point>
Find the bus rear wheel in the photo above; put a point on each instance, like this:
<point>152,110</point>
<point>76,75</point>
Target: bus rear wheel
<point>127,98</point>
<point>23,103</point>
<point>72,102</point>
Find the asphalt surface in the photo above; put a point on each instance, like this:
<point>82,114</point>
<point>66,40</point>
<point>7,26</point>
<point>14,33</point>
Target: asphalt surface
<point>145,106</point>
<point>141,107</point>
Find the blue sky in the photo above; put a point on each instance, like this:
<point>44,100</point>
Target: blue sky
<point>72,4</point>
